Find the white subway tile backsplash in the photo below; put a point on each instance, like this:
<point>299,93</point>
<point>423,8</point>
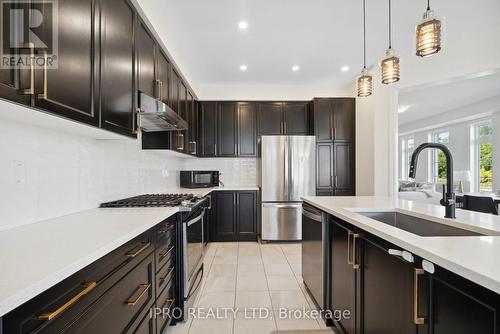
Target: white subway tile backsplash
<point>67,173</point>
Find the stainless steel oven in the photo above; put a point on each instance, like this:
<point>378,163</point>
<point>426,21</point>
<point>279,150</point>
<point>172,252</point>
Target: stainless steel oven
<point>193,252</point>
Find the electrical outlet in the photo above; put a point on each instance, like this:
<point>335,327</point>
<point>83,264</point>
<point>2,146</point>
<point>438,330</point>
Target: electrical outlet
<point>17,172</point>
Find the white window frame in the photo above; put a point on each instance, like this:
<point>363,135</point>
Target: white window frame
<point>405,168</point>
<point>433,161</point>
<point>475,141</point>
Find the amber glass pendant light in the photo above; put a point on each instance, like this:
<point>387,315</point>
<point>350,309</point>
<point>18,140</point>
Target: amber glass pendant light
<point>390,63</point>
<point>428,34</point>
<point>365,80</point>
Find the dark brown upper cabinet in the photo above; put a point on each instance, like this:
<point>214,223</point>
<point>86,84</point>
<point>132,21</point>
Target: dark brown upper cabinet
<point>283,118</point>
<point>208,129</point>
<point>192,119</point>
<point>295,120</point>
<point>270,118</point>
<point>334,119</point>
<point>145,51</point>
<point>227,129</point>
<point>247,129</point>
<point>118,89</point>
<point>174,90</point>
<point>162,77</point>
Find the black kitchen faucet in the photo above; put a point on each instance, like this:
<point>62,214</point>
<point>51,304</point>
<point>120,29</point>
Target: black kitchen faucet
<point>448,200</point>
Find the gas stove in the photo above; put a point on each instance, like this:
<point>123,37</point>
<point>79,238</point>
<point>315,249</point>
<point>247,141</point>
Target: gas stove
<point>153,200</point>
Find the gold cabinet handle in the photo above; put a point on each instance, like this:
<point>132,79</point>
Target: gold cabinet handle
<point>416,319</point>
<point>137,113</point>
<point>158,89</point>
<point>168,251</point>
<point>354,255</point>
<point>89,286</point>
<point>45,93</point>
<point>335,183</point>
<point>215,149</point>
<point>168,228</point>
<point>141,249</point>
<point>180,138</point>
<point>349,234</point>
<point>31,89</point>
<point>134,302</point>
<point>285,127</point>
<point>164,278</point>
<point>194,151</point>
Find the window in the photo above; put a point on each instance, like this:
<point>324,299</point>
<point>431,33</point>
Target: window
<point>438,169</point>
<point>407,148</point>
<point>482,148</point>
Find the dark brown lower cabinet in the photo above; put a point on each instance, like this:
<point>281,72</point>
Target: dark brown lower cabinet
<point>146,326</point>
<point>345,278</point>
<point>387,291</point>
<point>235,216</point>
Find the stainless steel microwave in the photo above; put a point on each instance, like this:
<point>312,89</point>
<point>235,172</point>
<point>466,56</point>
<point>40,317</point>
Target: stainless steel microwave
<point>199,179</point>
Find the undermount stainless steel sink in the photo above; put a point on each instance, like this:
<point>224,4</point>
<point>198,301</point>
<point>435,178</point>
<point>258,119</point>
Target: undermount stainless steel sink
<point>419,226</point>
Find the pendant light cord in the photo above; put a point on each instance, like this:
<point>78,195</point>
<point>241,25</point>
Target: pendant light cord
<point>364,33</point>
<point>390,31</point>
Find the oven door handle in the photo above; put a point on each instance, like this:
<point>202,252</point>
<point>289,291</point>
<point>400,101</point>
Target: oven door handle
<point>194,220</point>
<point>194,287</point>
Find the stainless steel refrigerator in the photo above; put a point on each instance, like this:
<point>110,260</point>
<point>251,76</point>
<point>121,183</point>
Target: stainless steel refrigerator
<point>287,166</point>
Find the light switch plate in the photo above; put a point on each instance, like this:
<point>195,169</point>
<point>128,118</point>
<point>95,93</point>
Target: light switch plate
<point>17,172</point>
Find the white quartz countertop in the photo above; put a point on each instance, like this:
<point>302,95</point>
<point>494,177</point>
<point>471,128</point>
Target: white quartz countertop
<point>473,257</point>
<point>37,256</point>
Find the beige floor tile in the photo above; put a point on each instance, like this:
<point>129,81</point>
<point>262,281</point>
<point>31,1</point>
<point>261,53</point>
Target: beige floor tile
<point>223,270</point>
<point>256,299</point>
<point>248,244</point>
<point>226,252</point>
<point>249,259</point>
<point>249,251</point>
<point>251,283</point>
<point>213,326</point>
<point>216,299</point>
<point>225,259</point>
<point>278,269</point>
<point>251,270</point>
<point>294,258</point>
<point>227,245</point>
<point>245,323</point>
<point>180,328</point>
<point>274,259</point>
<point>288,299</point>
<point>282,283</point>
<point>220,283</point>
<point>296,268</point>
<point>295,323</point>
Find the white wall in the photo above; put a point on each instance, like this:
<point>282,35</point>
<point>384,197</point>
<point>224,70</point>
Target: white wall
<point>496,151</point>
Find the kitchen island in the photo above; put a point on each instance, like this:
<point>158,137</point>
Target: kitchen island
<point>394,281</point>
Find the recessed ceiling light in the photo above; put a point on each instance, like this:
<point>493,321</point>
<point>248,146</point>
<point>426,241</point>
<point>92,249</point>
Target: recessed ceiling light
<point>344,68</point>
<point>402,109</point>
<point>295,68</point>
<point>243,68</point>
<point>243,25</point>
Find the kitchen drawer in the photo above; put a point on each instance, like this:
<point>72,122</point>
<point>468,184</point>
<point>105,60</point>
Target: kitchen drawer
<point>164,276</point>
<point>115,311</point>
<point>165,302</point>
<point>165,231</point>
<point>164,254</point>
<point>147,324</point>
<point>55,308</point>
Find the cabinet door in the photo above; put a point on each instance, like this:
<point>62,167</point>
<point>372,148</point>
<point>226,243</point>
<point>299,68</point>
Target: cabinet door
<point>162,74</point>
<point>224,227</point>
<point>117,82</point>
<point>227,125</point>
<point>208,128</point>
<point>343,169</point>
<point>182,136</point>
<point>387,294</point>
<point>68,89</point>
<point>147,325</point>
<point>270,118</point>
<point>295,118</point>
<point>344,116</point>
<point>15,82</point>
<point>344,278</point>
<point>324,192</point>
<point>323,122</point>
<point>174,90</point>
<point>145,51</point>
<point>192,119</point>
<point>247,215</point>
<point>324,166</point>
<point>247,130</point>
<point>460,306</point>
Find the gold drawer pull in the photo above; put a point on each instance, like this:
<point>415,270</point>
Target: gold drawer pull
<point>89,286</point>
<point>169,250</point>
<point>164,278</point>
<point>170,302</point>
<point>416,319</point>
<point>145,288</point>
<point>354,256</point>
<point>133,254</point>
<point>31,89</point>
<point>349,234</point>
<point>168,228</point>
<point>45,94</point>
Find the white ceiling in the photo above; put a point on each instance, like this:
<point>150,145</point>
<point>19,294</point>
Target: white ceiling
<point>320,36</point>
<point>431,100</point>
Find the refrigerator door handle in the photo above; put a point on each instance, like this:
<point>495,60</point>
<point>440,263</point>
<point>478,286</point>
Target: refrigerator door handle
<point>286,172</point>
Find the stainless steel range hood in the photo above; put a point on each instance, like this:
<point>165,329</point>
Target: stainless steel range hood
<point>157,116</point>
